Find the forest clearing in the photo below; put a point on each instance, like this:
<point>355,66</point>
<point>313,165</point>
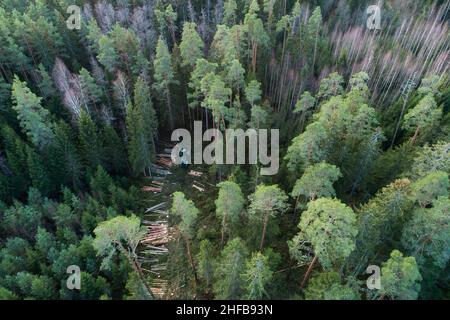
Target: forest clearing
<point>119,180</point>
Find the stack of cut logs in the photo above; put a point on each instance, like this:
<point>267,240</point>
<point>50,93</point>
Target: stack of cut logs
<point>164,160</point>
<point>155,186</point>
<point>157,235</point>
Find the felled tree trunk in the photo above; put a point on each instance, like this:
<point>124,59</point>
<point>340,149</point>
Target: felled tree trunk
<point>308,272</point>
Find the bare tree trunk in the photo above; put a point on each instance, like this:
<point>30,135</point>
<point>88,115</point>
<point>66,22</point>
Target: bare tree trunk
<point>254,56</point>
<point>141,276</point>
<point>397,127</point>
<point>191,259</point>
<point>135,265</point>
<point>314,55</point>
<point>416,134</point>
<point>169,105</point>
<point>223,230</point>
<point>308,272</point>
<point>266,220</point>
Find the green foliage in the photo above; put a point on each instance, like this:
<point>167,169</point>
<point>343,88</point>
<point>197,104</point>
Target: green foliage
<point>229,12</point>
<point>229,205</point>
<point>90,142</point>
<point>328,286</point>
<point>253,92</point>
<point>430,159</point>
<point>305,104</point>
<point>430,187</point>
<point>334,245</point>
<point>34,119</point>
<point>257,275</point>
<point>120,233</point>
<point>71,176</point>
<point>317,182</point>
<point>191,46</point>
<point>205,262</point>
<point>330,86</point>
<point>229,282</point>
<point>307,148</point>
<point>400,277</point>
<point>266,203</point>
<point>186,210</point>
<point>139,152</point>
<point>427,235</point>
<point>423,117</point>
<point>380,223</point>
<point>164,75</point>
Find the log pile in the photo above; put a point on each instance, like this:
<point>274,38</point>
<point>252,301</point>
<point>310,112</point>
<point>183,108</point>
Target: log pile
<point>195,173</point>
<point>159,287</point>
<point>164,162</point>
<point>159,170</point>
<point>199,186</point>
<point>157,235</point>
<point>156,207</point>
<point>151,189</point>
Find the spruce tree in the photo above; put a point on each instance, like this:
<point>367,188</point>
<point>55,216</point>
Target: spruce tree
<point>34,119</point>
<point>164,76</point>
<point>229,282</point>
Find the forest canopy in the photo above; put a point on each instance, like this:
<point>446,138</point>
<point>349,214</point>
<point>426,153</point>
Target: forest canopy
<point>86,116</point>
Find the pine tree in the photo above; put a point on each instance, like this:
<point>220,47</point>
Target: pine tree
<point>253,92</point>
<point>431,159</point>
<point>266,203</point>
<point>304,106</point>
<point>91,90</point>
<point>107,54</point>
<point>39,174</point>
<point>317,182</point>
<point>400,277</point>
<point>167,20</point>
<point>422,118</point>
<point>328,286</point>
<point>259,117</point>
<point>229,205</point>
<point>186,210</point>
<point>202,68</point>
<point>308,148</point>
<point>257,35</point>
<point>330,86</point>
<point>427,235</point>
<point>45,84</point>
<point>191,46</point>
<point>331,247</point>
<point>380,221</point>
<point>313,27</point>
<point>216,97</point>
<point>120,234</point>
<point>229,12</point>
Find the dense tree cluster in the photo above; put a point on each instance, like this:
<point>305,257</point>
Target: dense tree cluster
<point>364,147</point>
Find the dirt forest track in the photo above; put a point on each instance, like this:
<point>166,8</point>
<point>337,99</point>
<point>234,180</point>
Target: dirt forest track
<point>167,178</point>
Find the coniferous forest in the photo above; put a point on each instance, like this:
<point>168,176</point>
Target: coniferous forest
<point>92,207</point>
